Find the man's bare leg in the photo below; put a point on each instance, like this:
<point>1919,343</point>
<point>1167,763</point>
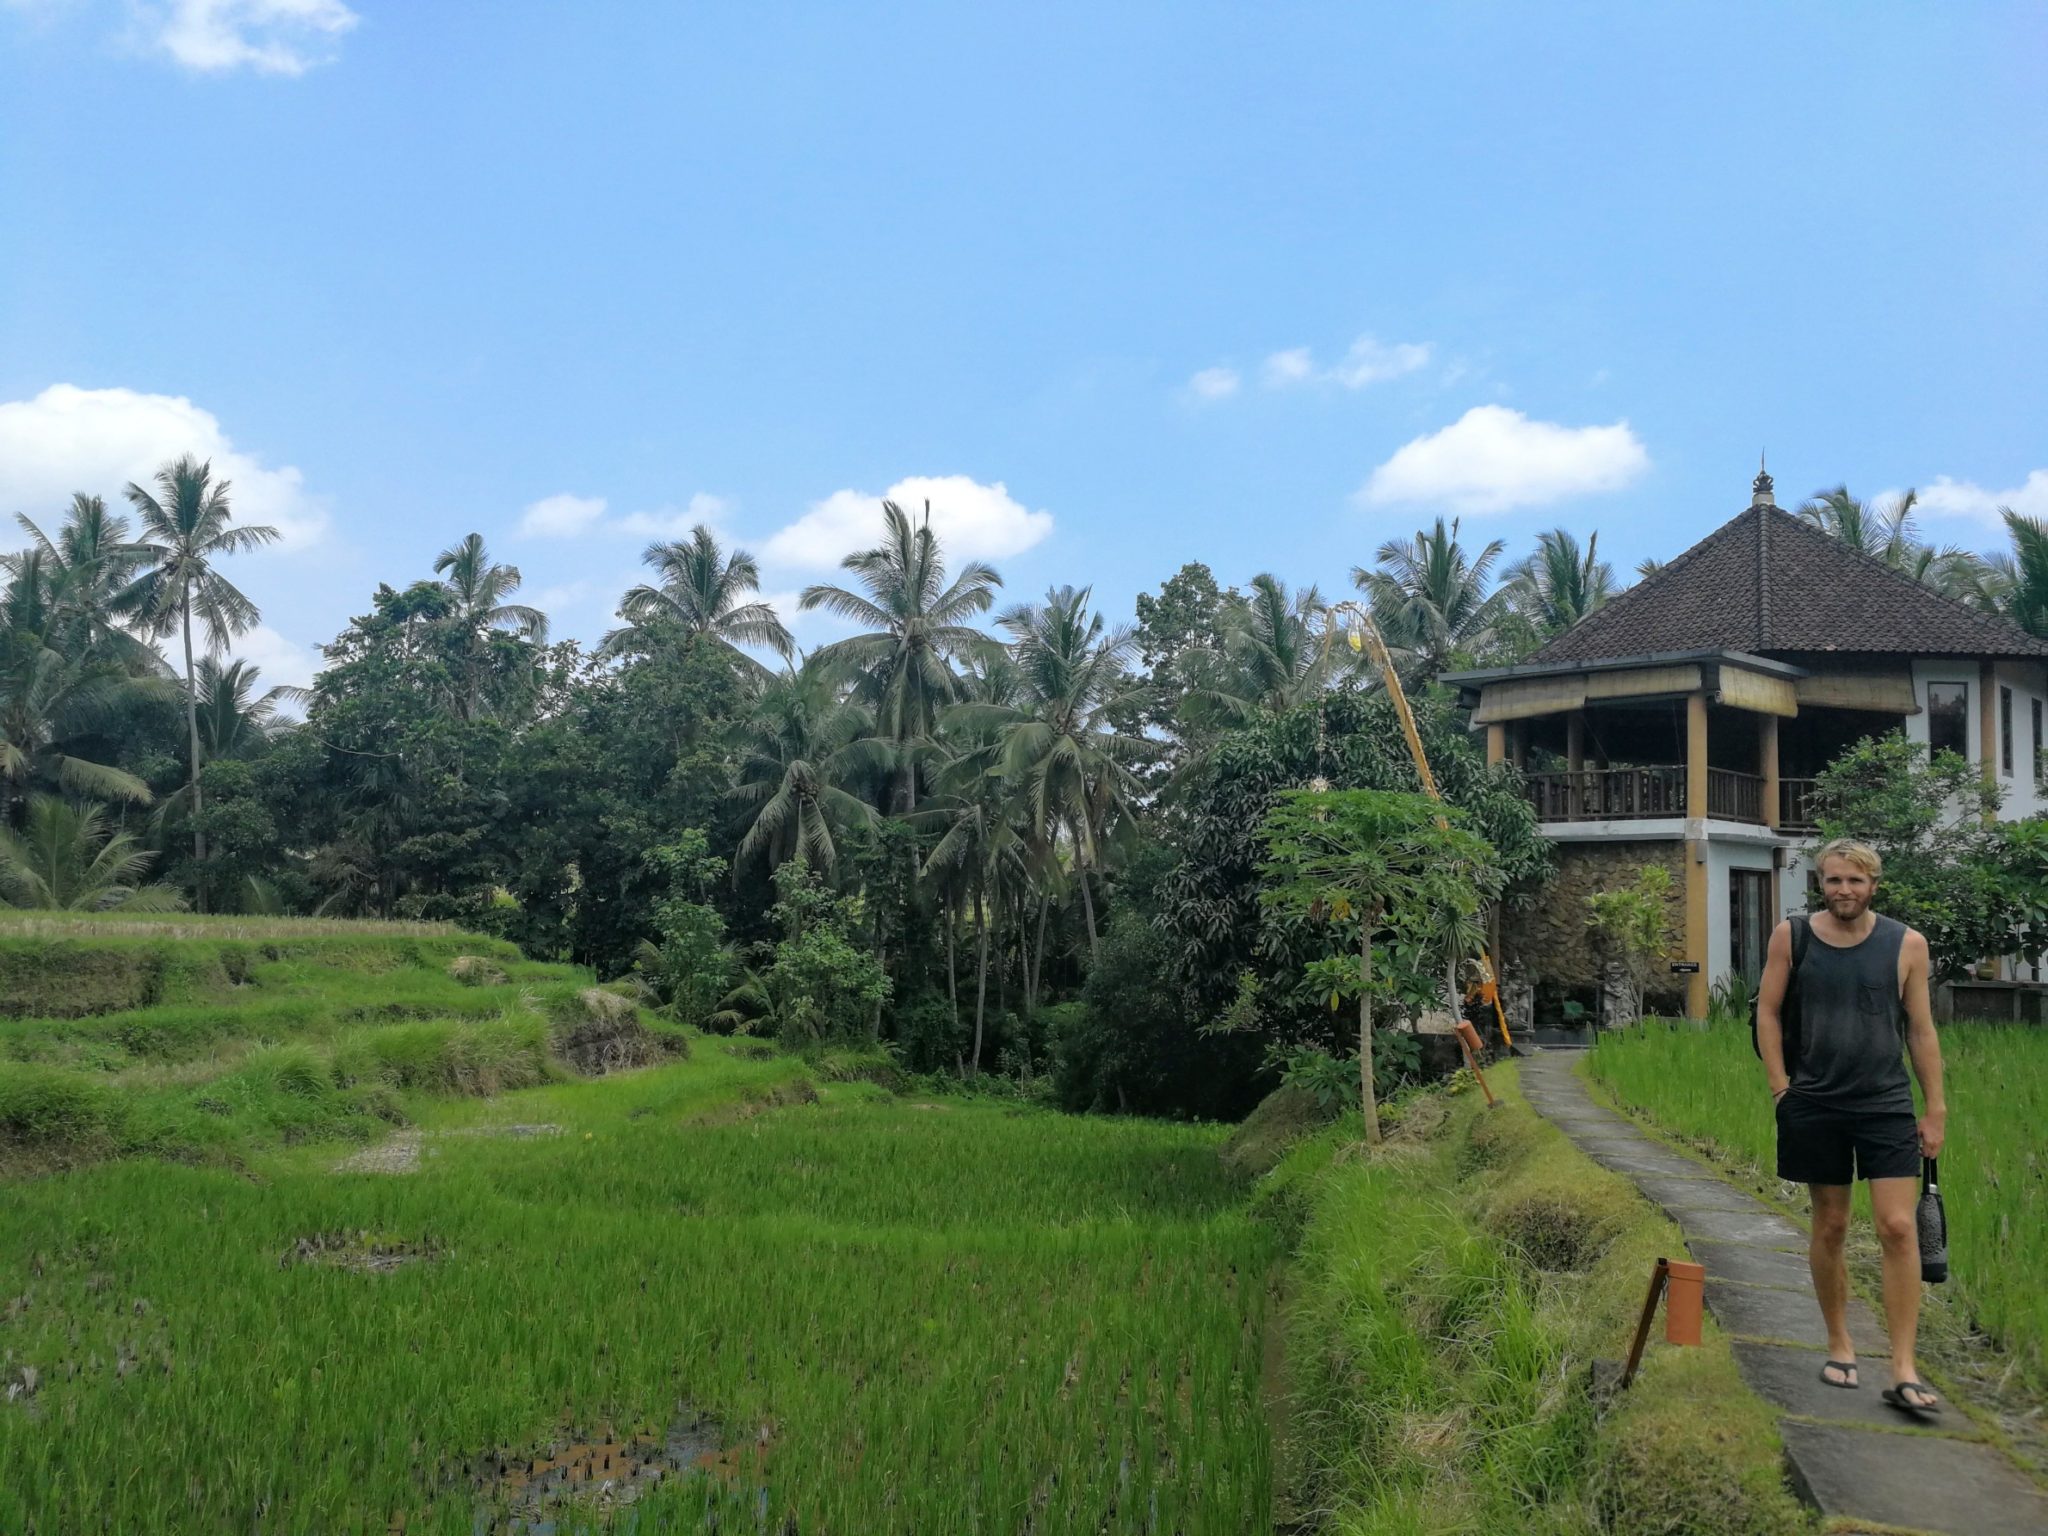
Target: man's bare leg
<point>1824,1256</point>
<point>1891,1203</point>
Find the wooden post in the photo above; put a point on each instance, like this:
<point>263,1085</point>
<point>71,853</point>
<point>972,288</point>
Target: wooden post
<point>1696,898</point>
<point>1575,740</point>
<point>1767,750</point>
<point>1496,745</point>
<point>1518,743</point>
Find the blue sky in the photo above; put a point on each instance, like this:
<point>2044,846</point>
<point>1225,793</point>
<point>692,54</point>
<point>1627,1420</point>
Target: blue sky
<point>1119,286</point>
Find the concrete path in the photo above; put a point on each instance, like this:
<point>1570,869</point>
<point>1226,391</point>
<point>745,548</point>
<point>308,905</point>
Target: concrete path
<point>1852,1457</point>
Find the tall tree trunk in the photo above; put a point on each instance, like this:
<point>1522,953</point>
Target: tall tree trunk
<point>1038,960</point>
<point>1088,909</point>
<point>192,727</point>
<point>952,968</point>
<point>981,988</point>
<point>1002,962</point>
<point>1365,1093</point>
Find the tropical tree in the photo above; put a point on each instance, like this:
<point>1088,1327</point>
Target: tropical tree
<point>803,745</point>
<point>50,704</point>
<point>184,532</point>
<point>68,858</point>
<point>78,575</point>
<point>1070,766</point>
<point>1888,531</point>
<point>1388,865</point>
<point>917,627</point>
<point>1429,596</point>
<point>234,719</point>
<point>701,592</point>
<point>479,589</point>
<point>1272,658</point>
<point>1560,583</point>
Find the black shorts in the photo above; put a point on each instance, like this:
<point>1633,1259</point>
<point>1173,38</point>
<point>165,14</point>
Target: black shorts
<point>1819,1145</point>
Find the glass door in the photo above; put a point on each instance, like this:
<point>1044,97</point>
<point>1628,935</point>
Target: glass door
<point>1749,921</point>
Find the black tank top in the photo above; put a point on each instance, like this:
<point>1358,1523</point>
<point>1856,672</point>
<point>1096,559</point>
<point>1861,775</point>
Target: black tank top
<point>1852,1024</point>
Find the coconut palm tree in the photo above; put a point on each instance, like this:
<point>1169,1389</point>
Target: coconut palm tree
<point>234,719</point>
<point>702,591</point>
<point>2015,582</point>
<point>184,532</point>
<point>50,704</point>
<point>917,626</point>
<point>68,858</point>
<point>1559,584</point>
<point>1272,657</point>
<point>478,588</point>
<point>1888,531</point>
<point>803,746</point>
<point>1070,766</point>
<point>1429,595</point>
<point>82,570</point>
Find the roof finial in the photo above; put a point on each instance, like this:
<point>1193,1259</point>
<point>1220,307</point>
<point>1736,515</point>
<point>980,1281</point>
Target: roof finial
<point>1760,488</point>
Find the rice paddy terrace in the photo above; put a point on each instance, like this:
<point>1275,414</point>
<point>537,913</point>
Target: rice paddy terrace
<point>325,1227</point>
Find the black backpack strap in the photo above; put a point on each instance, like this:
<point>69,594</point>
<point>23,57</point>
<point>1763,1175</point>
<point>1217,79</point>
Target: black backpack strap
<point>1802,936</point>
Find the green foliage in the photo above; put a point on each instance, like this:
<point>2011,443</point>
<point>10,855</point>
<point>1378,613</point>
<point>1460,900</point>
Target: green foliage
<point>815,984</point>
<point>1945,860</point>
<point>688,967</point>
<point>1633,922</point>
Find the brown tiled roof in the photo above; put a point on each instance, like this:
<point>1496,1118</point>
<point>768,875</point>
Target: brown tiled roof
<point>1770,582</point>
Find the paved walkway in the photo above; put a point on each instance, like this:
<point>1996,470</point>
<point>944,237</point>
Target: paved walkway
<point>1851,1456</point>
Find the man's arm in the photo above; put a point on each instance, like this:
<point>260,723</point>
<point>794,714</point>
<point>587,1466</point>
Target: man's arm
<point>1923,1045</point>
<point>1770,996</point>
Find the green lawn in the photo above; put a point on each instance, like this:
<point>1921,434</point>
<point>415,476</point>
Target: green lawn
<point>1706,1086</point>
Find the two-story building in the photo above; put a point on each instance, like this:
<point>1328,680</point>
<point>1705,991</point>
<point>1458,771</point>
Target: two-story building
<point>1683,723</point>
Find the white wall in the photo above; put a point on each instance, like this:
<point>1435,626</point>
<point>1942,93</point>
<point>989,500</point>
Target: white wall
<point>1724,856</point>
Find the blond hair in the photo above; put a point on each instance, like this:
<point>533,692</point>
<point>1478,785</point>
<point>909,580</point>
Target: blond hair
<point>1858,854</point>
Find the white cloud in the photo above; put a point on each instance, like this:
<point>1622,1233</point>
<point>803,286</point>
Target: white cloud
<point>1214,384</point>
<point>1294,366</point>
<point>1966,498</point>
<point>973,521</point>
<point>671,523</point>
<point>1370,361</point>
<point>561,516</point>
<point>68,439</point>
<point>278,660</point>
<point>271,37</point>
<point>1493,458</point>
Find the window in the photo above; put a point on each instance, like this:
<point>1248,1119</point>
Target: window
<point>1749,921</point>
<point>2036,706</point>
<point>1948,718</point>
<point>2005,731</point>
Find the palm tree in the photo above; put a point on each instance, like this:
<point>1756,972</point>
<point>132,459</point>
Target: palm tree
<point>234,720</point>
<point>1272,658</point>
<point>2017,582</point>
<point>83,569</point>
<point>917,626</point>
<point>48,703</point>
<point>68,859</point>
<point>701,593</point>
<point>479,588</point>
<point>1429,596</point>
<point>804,745</point>
<point>1887,531</point>
<point>1559,584</point>
<point>1070,765</point>
<point>185,530</point>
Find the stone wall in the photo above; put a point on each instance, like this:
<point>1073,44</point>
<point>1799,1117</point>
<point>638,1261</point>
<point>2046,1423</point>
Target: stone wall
<point>1548,940</point>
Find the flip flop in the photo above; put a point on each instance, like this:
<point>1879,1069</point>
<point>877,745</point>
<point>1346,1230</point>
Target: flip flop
<point>1848,1370</point>
<point>1896,1396</point>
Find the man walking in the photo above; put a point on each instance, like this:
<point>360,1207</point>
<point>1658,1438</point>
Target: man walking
<point>1844,1105</point>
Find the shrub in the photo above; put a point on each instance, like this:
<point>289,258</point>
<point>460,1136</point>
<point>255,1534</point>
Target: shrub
<point>46,1107</point>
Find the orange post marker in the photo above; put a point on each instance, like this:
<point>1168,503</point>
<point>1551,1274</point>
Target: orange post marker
<point>1685,1290</point>
<point>1468,1037</point>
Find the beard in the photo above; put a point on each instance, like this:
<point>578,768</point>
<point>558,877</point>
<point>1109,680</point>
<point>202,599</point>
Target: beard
<point>1848,907</point>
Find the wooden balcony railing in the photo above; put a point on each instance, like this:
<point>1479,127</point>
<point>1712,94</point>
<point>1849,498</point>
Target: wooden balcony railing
<point>1795,805</point>
<point>1735,796</point>
<point>1607,794</point>
<point>1617,794</point>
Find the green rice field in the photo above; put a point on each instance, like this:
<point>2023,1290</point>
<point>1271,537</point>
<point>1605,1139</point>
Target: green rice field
<point>1706,1086</point>
<point>315,1238</point>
